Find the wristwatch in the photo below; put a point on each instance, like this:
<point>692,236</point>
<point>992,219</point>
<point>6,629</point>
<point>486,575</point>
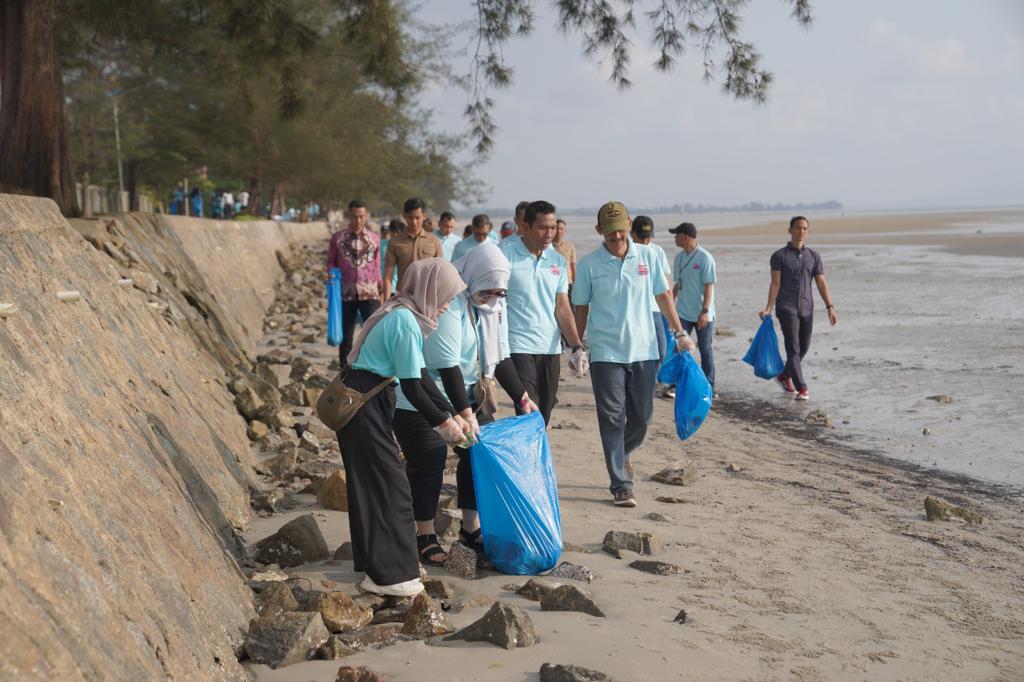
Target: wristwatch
<point>576,348</point>
<point>679,334</point>
<point>829,306</point>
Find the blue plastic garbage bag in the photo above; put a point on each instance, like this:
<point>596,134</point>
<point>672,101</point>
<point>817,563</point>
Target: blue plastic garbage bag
<point>517,495</point>
<point>763,353</point>
<point>334,332</point>
<point>693,392</point>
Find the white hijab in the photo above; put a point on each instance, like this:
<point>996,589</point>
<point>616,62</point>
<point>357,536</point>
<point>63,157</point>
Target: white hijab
<point>486,268</point>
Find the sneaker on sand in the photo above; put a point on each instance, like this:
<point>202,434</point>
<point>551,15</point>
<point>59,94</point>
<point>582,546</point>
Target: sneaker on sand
<point>669,393</point>
<point>410,588</point>
<point>624,498</point>
<point>786,383</point>
<point>804,394</point>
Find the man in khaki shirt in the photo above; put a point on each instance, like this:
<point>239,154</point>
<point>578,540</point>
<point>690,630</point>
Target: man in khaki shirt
<point>415,244</point>
<point>566,248</point>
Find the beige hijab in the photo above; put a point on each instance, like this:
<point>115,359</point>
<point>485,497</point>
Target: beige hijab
<point>429,285</point>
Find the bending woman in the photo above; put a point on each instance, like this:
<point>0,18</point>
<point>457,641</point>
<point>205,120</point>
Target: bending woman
<point>471,342</point>
<point>379,502</point>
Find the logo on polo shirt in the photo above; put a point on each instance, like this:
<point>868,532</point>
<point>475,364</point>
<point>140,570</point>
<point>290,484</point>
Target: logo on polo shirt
<point>642,270</point>
<point>555,270</point>
<point>696,266</point>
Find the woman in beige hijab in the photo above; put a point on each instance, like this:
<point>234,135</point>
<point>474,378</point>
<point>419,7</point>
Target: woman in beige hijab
<point>390,345</point>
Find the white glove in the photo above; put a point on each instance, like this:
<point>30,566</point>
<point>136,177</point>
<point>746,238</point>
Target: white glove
<point>684,343</point>
<point>474,425</point>
<point>450,431</point>
<point>579,363</point>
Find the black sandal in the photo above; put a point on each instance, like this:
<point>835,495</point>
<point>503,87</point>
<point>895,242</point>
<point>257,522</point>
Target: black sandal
<point>430,549</point>
<point>472,540</point>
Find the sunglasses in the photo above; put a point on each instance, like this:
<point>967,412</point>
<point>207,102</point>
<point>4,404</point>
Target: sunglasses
<point>491,294</point>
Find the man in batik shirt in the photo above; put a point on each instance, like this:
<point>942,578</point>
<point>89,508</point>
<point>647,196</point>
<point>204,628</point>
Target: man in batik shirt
<point>356,252</point>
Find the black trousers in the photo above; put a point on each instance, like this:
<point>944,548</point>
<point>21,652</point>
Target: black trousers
<point>380,515</point>
<point>796,333</point>
<point>348,324</point>
<point>425,456</point>
<point>539,374</point>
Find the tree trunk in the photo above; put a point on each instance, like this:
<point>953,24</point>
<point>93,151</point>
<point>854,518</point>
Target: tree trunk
<point>133,185</point>
<point>35,157</point>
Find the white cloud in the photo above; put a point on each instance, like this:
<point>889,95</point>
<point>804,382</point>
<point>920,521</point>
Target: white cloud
<point>941,58</point>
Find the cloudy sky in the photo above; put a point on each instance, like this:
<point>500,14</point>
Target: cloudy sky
<point>881,104</point>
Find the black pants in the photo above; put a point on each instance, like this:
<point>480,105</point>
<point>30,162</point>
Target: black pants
<point>796,332</point>
<point>539,374</point>
<point>425,456</point>
<point>380,515</point>
<point>348,323</point>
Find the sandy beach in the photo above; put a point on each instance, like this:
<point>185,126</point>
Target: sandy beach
<point>813,561</point>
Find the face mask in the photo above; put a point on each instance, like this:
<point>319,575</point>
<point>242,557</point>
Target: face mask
<point>492,306</point>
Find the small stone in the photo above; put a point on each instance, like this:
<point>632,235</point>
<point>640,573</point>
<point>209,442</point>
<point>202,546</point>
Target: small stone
<point>733,468</point>
<point>257,430</point>
<point>641,543</point>
<point>372,635</point>
<point>269,501</point>
<point>334,649</point>
<point>438,588</point>
<point>818,418</point>
<point>667,499</point>
<point>309,442</point>
<point>941,398</point>
<point>926,431</point>
<point>249,403</point>
<point>656,516</point>
<point>301,369</point>
<point>340,613</point>
<point>286,638</point>
<point>297,542</point>
<point>535,588</point>
<point>274,599</point>
<point>333,493</point>
<point>268,576</point>
<point>277,356</point>
<point>349,673</point>
<point>504,625</point>
<point>281,465</point>
<point>316,471</point>
<point>569,598</point>
<point>371,601</point>
<point>683,475</point>
<point>937,510</point>
<point>570,571</point>
<point>680,617</point>
<point>461,561</point>
<point>425,619</point>
<point>655,567</point>
<point>281,419</point>
<point>573,547</point>
<point>550,672</point>
<point>395,614</point>
<point>344,552</point>
<point>724,331</point>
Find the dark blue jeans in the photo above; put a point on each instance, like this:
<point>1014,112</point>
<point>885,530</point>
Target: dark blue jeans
<point>704,340</point>
<point>623,394</point>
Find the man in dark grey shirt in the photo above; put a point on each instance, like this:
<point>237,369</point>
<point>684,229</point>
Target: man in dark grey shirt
<point>793,268</point>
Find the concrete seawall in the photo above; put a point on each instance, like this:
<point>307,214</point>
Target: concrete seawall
<point>124,466</point>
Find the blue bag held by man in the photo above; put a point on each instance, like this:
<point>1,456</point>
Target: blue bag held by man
<point>693,392</point>
<point>334,332</point>
<point>517,495</point>
<point>763,353</point>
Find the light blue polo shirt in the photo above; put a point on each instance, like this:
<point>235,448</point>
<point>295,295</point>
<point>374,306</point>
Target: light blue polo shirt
<point>448,244</point>
<point>619,292</point>
<point>665,266</point>
<point>508,242</point>
<point>532,328</point>
<point>465,246</point>
<point>692,271</point>
<point>394,347</point>
<point>455,343</point>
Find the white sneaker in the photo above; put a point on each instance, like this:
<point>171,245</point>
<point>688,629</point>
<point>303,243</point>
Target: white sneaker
<point>410,588</point>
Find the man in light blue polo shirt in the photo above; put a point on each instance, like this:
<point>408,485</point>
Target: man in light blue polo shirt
<point>613,293</point>
<point>446,233</point>
<point>694,274</point>
<point>480,234</point>
<point>538,308</point>
<point>520,222</point>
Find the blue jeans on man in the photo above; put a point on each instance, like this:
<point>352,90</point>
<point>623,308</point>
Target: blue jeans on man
<point>624,396</point>
<point>707,355</point>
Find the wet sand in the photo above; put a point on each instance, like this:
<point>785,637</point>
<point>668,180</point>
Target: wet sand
<point>814,561</point>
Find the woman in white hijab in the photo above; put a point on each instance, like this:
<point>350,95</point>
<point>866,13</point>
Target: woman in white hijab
<point>468,355</point>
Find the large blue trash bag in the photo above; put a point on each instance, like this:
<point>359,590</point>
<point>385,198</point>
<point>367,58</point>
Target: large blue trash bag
<point>334,333</point>
<point>693,392</point>
<point>517,495</point>
<point>763,353</point>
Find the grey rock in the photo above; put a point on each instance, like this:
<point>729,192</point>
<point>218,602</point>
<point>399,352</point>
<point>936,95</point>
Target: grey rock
<point>425,619</point>
<point>372,636</point>
<point>281,465</point>
<point>316,471</point>
<point>551,672</point>
<point>461,561</point>
<point>818,418</point>
<point>504,625</point>
<point>569,598</point>
<point>334,649</point>
<point>733,468</point>
<point>274,599</point>
<point>370,600</point>
<point>297,542</point>
<point>447,524</point>
<point>570,571</point>
<point>293,393</point>
<point>301,369</point>
<point>269,501</point>
<point>309,442</point>
<point>657,516</point>
<point>316,381</point>
<point>438,588</point>
<point>286,638</point>
<point>937,510</point>
<point>394,614</point>
<point>641,543</point>
<point>680,617</point>
<point>942,398</point>
<point>341,613</point>
<point>349,673</point>
<point>279,419</point>
<point>257,430</point>
<point>668,499</point>
<point>277,356</point>
<point>573,547</point>
<point>655,567</point>
<point>677,475</point>
<point>344,552</point>
<point>535,588</point>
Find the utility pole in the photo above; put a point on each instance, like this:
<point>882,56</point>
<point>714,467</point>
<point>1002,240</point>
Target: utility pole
<point>117,142</point>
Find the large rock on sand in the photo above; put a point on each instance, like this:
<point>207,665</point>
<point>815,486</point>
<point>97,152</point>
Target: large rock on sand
<point>297,542</point>
<point>937,510</point>
<point>286,638</point>
<point>505,625</point>
<point>340,612</point>
<point>333,493</point>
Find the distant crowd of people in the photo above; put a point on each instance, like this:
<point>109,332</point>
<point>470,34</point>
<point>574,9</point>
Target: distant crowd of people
<point>222,204</point>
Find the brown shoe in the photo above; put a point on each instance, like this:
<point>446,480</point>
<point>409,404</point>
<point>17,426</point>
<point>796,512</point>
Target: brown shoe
<point>624,498</point>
